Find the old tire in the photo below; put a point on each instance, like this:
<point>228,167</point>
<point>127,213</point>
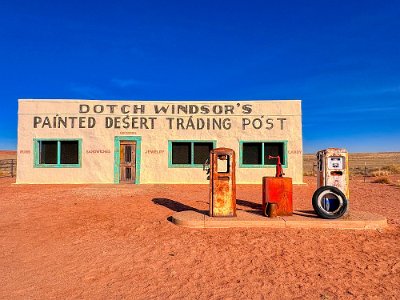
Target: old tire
<point>329,202</point>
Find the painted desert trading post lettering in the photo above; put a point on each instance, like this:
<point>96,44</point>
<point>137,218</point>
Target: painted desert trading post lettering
<point>140,142</point>
<point>177,116</point>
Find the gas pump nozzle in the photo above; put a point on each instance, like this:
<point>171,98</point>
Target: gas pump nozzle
<point>279,170</point>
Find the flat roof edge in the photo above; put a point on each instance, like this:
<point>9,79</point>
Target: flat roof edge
<point>141,100</point>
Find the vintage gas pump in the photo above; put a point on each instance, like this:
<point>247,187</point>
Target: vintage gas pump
<point>277,190</point>
<point>222,183</point>
<point>330,200</point>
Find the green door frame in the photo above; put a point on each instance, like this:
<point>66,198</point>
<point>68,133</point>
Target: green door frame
<point>117,141</point>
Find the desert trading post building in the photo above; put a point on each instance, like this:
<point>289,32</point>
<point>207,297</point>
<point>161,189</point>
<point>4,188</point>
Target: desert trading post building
<point>90,141</point>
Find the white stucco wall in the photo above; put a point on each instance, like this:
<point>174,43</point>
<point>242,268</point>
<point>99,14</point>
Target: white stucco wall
<point>98,142</point>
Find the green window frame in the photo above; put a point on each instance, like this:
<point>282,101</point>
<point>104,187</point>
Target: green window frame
<point>192,144</point>
<point>264,146</point>
<point>58,164</point>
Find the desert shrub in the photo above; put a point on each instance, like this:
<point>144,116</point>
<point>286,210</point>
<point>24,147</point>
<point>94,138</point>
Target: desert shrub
<point>308,173</point>
<point>384,180</point>
<point>393,169</point>
<point>357,171</point>
<point>379,173</point>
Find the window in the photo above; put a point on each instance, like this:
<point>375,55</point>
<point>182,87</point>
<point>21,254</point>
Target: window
<point>69,152</point>
<point>57,153</point>
<point>256,154</point>
<point>181,153</point>
<point>47,152</point>
<point>189,153</point>
<point>252,153</point>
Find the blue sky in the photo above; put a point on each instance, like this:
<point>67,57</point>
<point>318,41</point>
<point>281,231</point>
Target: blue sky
<point>341,58</point>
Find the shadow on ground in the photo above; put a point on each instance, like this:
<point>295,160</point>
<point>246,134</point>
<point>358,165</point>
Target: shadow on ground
<point>173,205</point>
<point>306,213</point>
<point>248,204</point>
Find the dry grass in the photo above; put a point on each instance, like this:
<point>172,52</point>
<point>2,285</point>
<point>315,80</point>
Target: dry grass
<point>393,169</point>
<point>308,173</point>
<point>376,164</point>
<point>383,180</point>
<point>379,173</point>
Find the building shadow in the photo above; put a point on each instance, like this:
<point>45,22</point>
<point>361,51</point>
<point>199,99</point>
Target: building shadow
<point>173,205</point>
<point>249,204</point>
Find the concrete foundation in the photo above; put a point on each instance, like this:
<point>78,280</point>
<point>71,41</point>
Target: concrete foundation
<point>357,220</point>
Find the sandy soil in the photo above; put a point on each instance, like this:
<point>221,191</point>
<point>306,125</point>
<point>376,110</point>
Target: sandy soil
<point>8,154</point>
<point>115,241</point>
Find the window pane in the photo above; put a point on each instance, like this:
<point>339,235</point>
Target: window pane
<point>273,149</point>
<point>223,163</point>
<point>252,153</point>
<point>128,154</point>
<point>69,152</point>
<point>202,152</point>
<point>128,173</point>
<point>48,152</point>
<point>181,153</point>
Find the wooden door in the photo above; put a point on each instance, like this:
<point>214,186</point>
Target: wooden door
<point>127,162</point>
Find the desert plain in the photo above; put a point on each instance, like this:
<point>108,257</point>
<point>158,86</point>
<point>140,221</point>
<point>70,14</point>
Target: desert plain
<point>116,242</point>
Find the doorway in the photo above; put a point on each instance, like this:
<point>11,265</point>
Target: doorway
<point>127,160</point>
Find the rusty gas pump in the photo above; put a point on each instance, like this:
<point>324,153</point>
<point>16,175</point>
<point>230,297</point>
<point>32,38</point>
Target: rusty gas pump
<point>222,183</point>
<point>330,200</point>
<point>277,193</point>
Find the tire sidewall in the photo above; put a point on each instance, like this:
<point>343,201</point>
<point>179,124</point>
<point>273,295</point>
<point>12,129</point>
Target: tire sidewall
<point>321,212</point>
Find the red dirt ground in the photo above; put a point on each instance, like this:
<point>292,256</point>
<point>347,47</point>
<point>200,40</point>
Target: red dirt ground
<point>8,154</point>
<point>114,241</point>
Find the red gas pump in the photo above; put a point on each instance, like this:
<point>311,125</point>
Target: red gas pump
<point>278,190</point>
